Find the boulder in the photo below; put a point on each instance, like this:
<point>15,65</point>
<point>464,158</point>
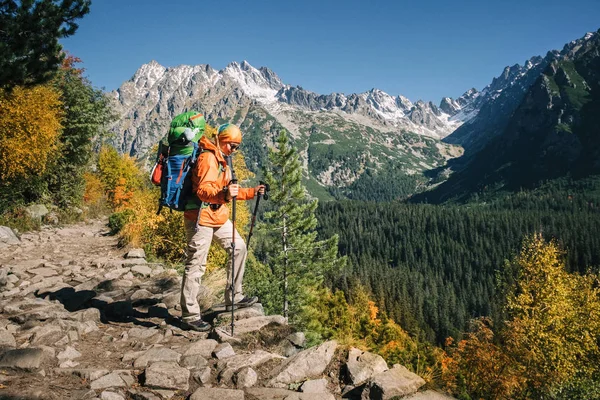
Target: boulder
<point>193,361</point>
<point>362,365</point>
<point>245,378</point>
<point>29,359</point>
<point>310,363</point>
<point>141,270</point>
<point>7,236</point>
<point>205,393</point>
<point>395,382</point>
<point>36,211</point>
<point>167,375</point>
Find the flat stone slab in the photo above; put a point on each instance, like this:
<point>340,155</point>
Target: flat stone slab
<point>310,363</point>
<point>167,375</point>
<point>114,379</point>
<point>29,359</point>
<point>156,354</point>
<point>205,393</point>
<point>202,347</point>
<point>254,324</point>
<point>136,253</point>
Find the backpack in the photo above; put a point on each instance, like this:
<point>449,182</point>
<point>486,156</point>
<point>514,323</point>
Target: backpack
<point>177,155</point>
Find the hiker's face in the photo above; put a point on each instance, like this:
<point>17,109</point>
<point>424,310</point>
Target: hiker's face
<point>228,147</point>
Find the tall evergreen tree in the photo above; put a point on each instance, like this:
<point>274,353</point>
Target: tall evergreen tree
<point>29,33</point>
<point>298,261</point>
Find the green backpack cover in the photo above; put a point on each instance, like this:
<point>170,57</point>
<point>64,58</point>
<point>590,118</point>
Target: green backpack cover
<point>185,130</point>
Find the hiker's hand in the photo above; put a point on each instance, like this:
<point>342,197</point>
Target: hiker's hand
<point>233,190</point>
<point>260,189</point>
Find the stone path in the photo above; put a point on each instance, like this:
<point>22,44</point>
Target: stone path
<point>82,319</point>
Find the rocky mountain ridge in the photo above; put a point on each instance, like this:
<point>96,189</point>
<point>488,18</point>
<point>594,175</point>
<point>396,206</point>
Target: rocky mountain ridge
<point>553,133</point>
<point>82,319</point>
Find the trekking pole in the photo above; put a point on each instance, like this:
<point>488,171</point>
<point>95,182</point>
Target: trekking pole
<point>266,197</point>
<point>233,181</point>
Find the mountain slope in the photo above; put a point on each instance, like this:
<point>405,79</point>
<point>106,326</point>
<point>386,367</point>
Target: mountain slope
<point>340,138</point>
<point>554,132</point>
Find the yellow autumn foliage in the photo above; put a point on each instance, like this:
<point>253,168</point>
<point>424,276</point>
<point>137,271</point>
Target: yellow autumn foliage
<point>553,328</point>
<point>30,126</point>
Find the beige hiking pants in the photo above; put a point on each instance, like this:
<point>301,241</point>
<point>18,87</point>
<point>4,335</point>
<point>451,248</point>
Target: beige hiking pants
<point>197,251</point>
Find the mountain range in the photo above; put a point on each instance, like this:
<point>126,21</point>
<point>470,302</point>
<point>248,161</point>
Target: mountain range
<point>347,142</point>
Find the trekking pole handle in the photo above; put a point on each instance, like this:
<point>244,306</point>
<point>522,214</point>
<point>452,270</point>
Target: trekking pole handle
<point>267,188</point>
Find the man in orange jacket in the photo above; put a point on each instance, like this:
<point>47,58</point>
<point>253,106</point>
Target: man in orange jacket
<point>211,181</point>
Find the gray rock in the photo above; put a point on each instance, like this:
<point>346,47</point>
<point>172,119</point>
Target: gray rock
<point>284,394</point>
<point>193,361</point>
<point>136,253</point>
<point>205,393</point>
<point>106,395</point>
<point>201,347</point>
<point>297,339</point>
<point>171,299</point>
<point>167,375</point>
<point>141,294</point>
<point>29,359</point>
<point>310,363</point>
<point>256,310</point>
<point>7,236</point>
<point>83,328</point>
<point>36,211</point>
<point>141,333</point>
<point>44,272</point>
<point>90,374</point>
<point>116,273</point>
<point>314,386</point>
<point>142,270</point>
<point>245,378</point>
<point>397,381</point>
<point>88,314</point>
<point>47,334</point>
<point>113,379</point>
<point>7,340</point>
<point>223,336</point>
<point>223,350</point>
<point>68,354</point>
<point>363,365</point>
<point>202,375</point>
<point>132,262</point>
<point>156,354</point>
<point>254,359</point>
<point>256,323</point>
<point>135,395</point>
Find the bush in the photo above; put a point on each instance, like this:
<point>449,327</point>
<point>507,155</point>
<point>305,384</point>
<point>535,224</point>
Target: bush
<point>118,220</point>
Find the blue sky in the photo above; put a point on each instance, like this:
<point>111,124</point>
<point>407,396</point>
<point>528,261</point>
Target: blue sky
<point>420,49</point>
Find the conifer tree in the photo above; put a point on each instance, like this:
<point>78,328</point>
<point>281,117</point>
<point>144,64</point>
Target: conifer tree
<point>29,33</point>
<point>297,260</point>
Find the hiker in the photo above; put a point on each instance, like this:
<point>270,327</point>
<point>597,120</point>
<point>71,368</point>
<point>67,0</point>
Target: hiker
<point>211,183</point>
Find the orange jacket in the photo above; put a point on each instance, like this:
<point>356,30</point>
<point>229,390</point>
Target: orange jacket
<point>209,177</point>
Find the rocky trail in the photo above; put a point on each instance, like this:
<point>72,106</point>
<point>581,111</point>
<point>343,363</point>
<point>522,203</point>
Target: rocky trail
<point>81,318</point>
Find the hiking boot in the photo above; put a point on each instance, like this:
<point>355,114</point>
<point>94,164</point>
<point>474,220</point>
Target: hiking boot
<point>198,326</point>
<point>243,303</point>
